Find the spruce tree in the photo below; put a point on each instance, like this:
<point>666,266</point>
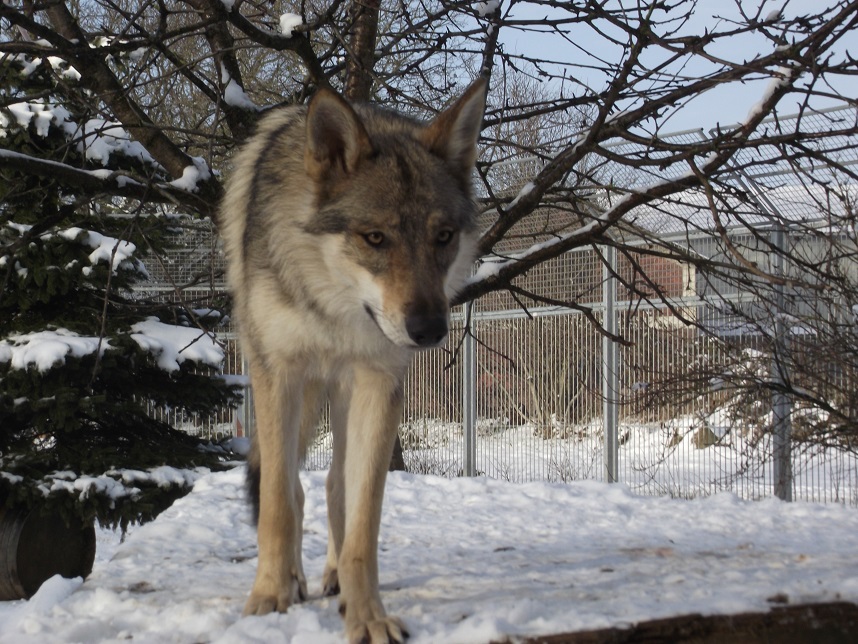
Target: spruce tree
<point>85,352</point>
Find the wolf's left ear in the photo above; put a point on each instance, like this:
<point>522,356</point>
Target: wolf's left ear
<point>453,134</point>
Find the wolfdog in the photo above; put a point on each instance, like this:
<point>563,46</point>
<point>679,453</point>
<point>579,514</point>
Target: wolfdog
<point>347,229</point>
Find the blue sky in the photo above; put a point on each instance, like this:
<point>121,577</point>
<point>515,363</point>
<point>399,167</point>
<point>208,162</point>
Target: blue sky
<point>725,105</point>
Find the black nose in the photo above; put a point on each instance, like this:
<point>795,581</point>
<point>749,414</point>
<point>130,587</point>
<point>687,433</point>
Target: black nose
<point>426,330</point>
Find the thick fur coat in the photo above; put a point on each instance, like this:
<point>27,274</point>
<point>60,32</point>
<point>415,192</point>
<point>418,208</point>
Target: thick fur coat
<point>347,230</point>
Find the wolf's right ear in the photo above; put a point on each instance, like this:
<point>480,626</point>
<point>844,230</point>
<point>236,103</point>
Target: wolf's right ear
<point>336,138</point>
<point>453,134</point>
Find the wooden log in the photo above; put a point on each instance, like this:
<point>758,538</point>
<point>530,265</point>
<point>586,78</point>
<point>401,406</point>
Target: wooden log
<point>829,623</point>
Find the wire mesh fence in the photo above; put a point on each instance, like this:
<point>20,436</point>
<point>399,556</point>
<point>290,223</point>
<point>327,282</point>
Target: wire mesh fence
<point>538,388</point>
<point>693,399</point>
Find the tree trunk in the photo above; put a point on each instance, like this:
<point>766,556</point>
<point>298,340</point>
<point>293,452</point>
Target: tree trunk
<point>361,57</point>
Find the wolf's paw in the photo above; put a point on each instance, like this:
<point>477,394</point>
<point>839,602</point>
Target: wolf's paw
<point>259,604</point>
<point>330,582</point>
<point>384,630</point>
<point>262,603</point>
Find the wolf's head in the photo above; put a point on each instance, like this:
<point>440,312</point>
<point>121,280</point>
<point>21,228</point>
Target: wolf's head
<point>394,208</point>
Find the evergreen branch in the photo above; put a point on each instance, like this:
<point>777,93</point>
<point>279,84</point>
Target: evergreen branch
<point>104,182</point>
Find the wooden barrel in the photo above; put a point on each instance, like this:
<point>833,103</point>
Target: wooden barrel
<point>35,546</point>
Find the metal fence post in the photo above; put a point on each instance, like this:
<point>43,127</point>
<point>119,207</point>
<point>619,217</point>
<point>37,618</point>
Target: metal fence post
<point>245,411</point>
<point>469,394</point>
<point>610,367</point>
<point>781,402</point>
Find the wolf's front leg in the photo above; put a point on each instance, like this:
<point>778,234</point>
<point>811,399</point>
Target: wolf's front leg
<point>373,418</point>
<point>279,576</point>
<point>340,398</point>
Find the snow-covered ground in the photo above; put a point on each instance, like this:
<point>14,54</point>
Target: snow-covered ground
<point>462,560</point>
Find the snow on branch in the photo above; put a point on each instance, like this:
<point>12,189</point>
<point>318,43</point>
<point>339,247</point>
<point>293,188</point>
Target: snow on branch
<point>485,8</point>
<point>45,350</point>
<point>193,175</point>
<point>49,348</point>
<point>117,484</point>
<point>29,64</point>
<point>95,139</point>
<point>233,93</point>
<point>172,345</point>
<point>116,252</point>
<point>288,23</point>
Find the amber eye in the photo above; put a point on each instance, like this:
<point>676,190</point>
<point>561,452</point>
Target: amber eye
<point>374,238</point>
<point>445,236</point>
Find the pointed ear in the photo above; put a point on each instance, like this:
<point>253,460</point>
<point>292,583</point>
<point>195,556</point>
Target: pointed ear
<point>453,134</point>
<point>336,138</point>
